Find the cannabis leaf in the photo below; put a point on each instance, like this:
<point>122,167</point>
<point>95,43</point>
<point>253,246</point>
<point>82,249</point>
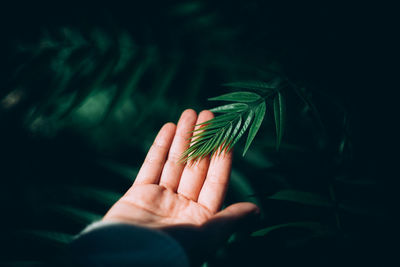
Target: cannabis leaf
<point>224,131</point>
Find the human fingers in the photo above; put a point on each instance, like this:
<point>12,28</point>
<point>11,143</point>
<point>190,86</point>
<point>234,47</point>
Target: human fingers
<point>173,168</point>
<point>194,173</point>
<point>152,166</point>
<point>237,216</point>
<point>237,211</point>
<point>214,188</point>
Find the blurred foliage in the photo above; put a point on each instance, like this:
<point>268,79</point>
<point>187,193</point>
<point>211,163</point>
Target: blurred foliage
<point>86,97</point>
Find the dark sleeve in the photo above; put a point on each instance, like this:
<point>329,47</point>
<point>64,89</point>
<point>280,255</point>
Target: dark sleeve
<point>115,244</point>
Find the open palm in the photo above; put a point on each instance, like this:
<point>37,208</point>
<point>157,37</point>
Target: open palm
<point>167,193</point>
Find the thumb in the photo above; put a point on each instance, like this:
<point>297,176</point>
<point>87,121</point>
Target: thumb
<point>231,218</point>
<point>238,211</point>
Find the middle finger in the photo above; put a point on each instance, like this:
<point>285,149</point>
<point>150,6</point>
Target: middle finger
<point>173,168</point>
<point>194,174</point>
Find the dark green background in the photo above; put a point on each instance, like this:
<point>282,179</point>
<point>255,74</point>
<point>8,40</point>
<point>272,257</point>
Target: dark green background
<point>340,53</point>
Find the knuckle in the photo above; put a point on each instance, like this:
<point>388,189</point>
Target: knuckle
<point>215,180</point>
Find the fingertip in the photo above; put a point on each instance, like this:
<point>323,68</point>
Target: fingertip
<point>166,133</point>
<point>239,215</point>
<point>206,114</point>
<point>189,113</point>
<point>188,117</point>
<point>169,126</point>
<point>249,207</point>
<point>245,208</point>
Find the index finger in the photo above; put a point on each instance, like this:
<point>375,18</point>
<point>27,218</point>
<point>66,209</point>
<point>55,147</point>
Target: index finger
<point>214,188</point>
<point>153,165</point>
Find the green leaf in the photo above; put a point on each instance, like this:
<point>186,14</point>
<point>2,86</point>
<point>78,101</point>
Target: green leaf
<point>235,131</point>
<point>305,198</point>
<point>244,128</point>
<point>279,113</point>
<point>223,132</point>
<point>196,143</point>
<point>236,107</point>
<point>197,149</point>
<point>220,119</point>
<point>214,134</point>
<point>203,134</point>
<point>245,97</point>
<point>306,225</point>
<point>259,116</point>
<point>226,138</point>
<point>219,140</point>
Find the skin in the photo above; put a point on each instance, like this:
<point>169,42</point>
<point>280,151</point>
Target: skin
<point>183,200</point>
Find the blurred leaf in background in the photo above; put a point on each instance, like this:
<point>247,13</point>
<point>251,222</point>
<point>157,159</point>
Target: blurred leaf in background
<point>84,90</point>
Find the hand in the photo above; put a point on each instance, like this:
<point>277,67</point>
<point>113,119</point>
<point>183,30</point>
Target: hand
<point>182,199</point>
